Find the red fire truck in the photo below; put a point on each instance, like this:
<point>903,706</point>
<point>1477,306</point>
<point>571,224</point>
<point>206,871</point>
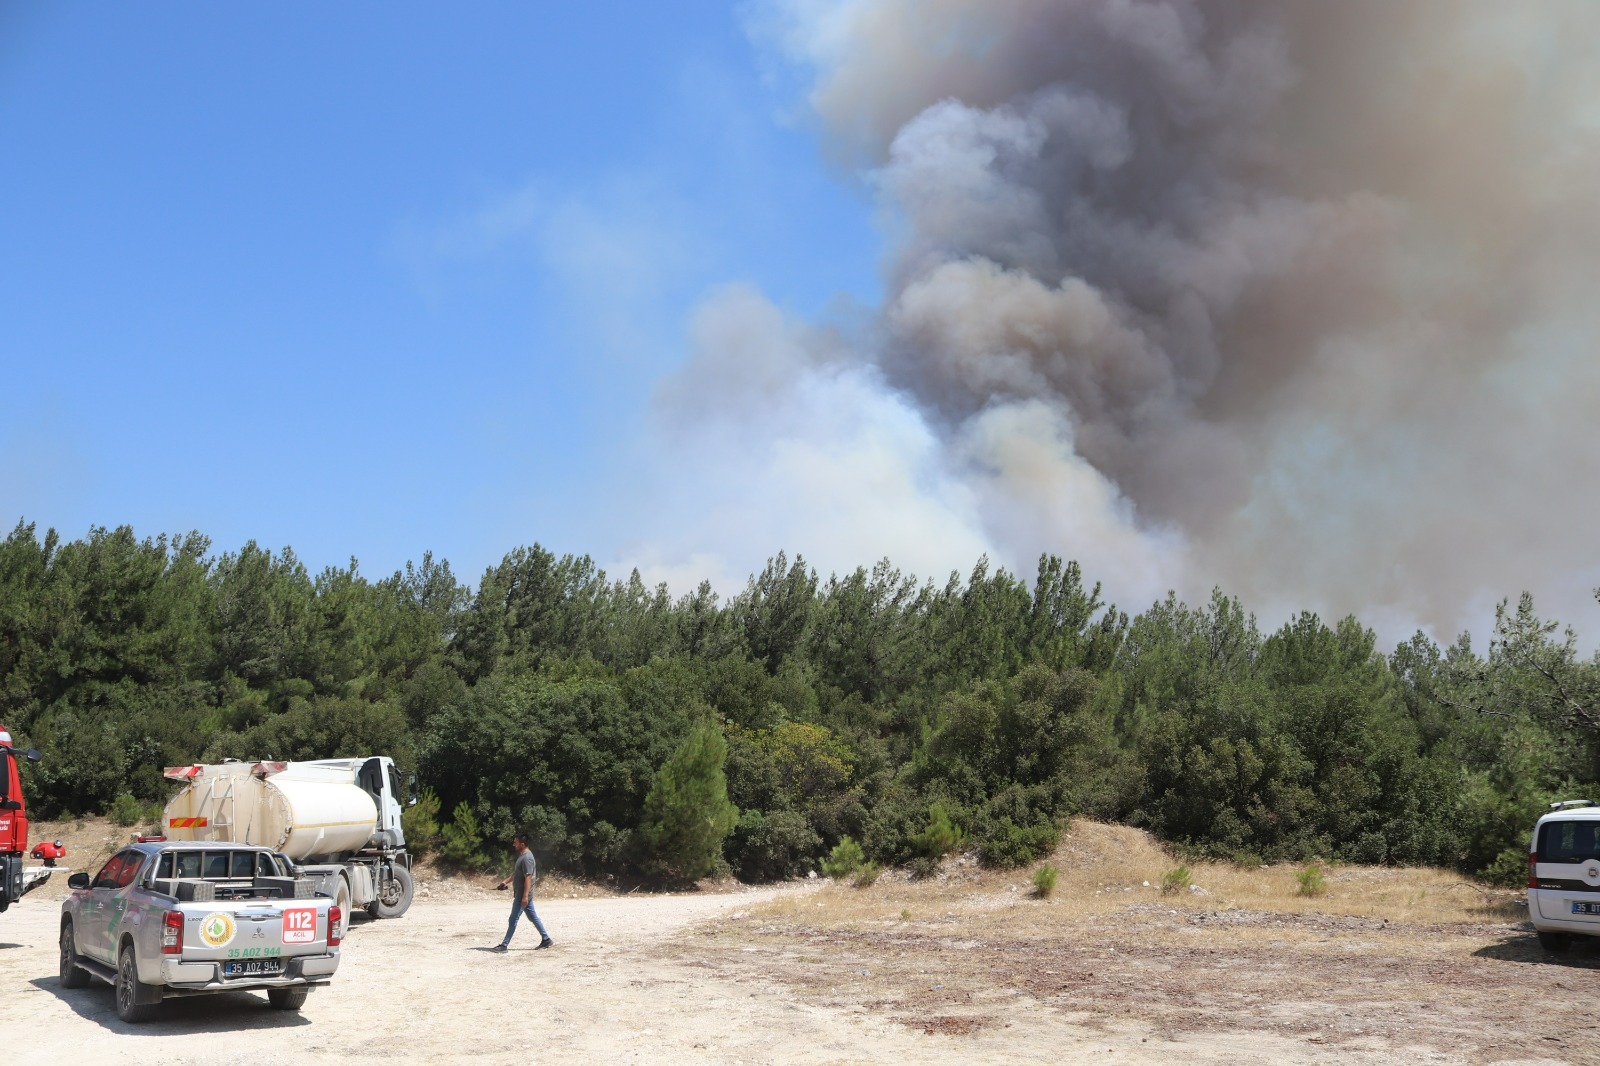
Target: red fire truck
<point>15,879</point>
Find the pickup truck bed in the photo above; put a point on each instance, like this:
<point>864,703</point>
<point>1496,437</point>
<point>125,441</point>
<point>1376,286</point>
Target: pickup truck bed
<point>181,919</point>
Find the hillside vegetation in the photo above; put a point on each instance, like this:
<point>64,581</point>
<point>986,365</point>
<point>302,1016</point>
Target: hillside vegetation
<point>634,733</point>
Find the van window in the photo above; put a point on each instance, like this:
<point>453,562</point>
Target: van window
<point>1569,842</point>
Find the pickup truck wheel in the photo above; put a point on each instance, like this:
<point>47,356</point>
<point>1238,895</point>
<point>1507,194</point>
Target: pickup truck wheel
<point>72,975</point>
<point>288,998</point>
<point>395,897</point>
<point>130,990</point>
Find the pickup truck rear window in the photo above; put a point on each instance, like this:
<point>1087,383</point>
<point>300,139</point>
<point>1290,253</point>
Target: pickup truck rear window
<point>1569,842</point>
<point>217,865</point>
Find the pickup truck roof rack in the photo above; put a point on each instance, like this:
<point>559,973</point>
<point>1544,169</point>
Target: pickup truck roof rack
<point>1561,805</point>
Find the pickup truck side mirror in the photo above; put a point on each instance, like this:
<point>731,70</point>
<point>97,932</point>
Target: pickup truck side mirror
<point>78,880</point>
<point>32,755</point>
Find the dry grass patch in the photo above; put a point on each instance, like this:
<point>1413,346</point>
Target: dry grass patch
<point>1403,955</point>
<point>1104,869</point>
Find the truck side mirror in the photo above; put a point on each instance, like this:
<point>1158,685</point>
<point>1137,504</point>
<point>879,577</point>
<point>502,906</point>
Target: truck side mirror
<point>33,755</point>
<point>411,789</point>
<point>78,880</point>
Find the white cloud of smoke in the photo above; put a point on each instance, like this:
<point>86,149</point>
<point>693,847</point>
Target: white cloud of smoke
<point>1290,298</point>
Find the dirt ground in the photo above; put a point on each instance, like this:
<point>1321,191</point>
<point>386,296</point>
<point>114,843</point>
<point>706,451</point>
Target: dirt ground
<point>1385,967</point>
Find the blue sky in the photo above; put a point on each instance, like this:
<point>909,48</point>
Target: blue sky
<point>373,279</point>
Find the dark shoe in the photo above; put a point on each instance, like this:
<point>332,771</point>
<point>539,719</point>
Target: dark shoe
<point>545,943</point>
<point>500,948</point>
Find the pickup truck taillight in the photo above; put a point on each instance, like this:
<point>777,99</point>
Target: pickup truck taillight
<point>335,916</point>
<point>172,933</point>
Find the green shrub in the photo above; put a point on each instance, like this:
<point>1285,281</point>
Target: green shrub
<point>686,814</point>
<point>125,810</point>
<point>767,847</point>
<point>922,867</point>
<point>1311,882</point>
<point>1175,880</point>
<point>845,858</point>
<point>1044,881</point>
<point>867,874</point>
<point>462,840</point>
<point>420,822</point>
<point>939,837</point>
<point>1011,844</point>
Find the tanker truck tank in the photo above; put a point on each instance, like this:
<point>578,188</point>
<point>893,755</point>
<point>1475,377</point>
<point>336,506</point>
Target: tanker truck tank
<point>303,817</point>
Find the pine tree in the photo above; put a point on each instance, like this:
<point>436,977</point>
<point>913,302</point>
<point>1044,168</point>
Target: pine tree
<point>687,814</point>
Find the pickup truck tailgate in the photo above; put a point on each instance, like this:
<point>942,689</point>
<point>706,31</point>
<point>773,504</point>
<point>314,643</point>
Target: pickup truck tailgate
<point>255,939</point>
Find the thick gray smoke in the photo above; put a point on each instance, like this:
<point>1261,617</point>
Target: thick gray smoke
<point>1294,298</point>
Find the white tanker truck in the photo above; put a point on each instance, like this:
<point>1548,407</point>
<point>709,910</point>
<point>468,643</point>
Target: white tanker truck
<point>337,820</point>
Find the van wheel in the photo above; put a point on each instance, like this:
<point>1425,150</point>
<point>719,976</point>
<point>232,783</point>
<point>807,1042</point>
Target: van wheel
<point>130,990</point>
<point>395,896</point>
<point>72,975</point>
<point>288,998</point>
<point>1555,943</point>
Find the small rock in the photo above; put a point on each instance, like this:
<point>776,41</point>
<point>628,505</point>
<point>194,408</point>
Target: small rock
<point>1147,884</point>
<point>811,875</point>
<point>1196,890</point>
<point>736,915</point>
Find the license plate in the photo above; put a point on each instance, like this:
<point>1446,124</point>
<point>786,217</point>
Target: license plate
<point>1586,908</point>
<point>253,968</point>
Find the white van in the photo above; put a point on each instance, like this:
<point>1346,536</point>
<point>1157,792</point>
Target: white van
<point>1564,874</point>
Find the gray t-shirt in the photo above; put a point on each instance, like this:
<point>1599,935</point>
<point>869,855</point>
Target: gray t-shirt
<point>525,867</point>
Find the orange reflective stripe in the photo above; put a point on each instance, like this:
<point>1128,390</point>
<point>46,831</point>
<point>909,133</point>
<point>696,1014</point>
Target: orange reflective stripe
<point>186,823</point>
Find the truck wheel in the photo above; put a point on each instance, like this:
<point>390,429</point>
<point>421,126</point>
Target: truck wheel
<point>395,897</point>
<point>341,896</point>
<point>130,990</point>
<point>72,975</point>
<point>288,998</point>
<point>1555,943</point>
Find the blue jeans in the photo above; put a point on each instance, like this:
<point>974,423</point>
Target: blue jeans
<point>517,910</point>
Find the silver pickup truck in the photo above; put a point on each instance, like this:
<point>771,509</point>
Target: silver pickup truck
<point>168,918</point>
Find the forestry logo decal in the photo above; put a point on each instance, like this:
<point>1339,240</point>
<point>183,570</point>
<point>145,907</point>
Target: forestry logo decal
<point>217,929</point>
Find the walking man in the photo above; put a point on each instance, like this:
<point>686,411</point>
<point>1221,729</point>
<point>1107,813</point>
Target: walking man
<point>523,875</point>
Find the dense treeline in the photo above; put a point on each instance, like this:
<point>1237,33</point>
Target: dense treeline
<point>908,716</point>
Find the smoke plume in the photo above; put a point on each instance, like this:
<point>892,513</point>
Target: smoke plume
<point>1293,298</point>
